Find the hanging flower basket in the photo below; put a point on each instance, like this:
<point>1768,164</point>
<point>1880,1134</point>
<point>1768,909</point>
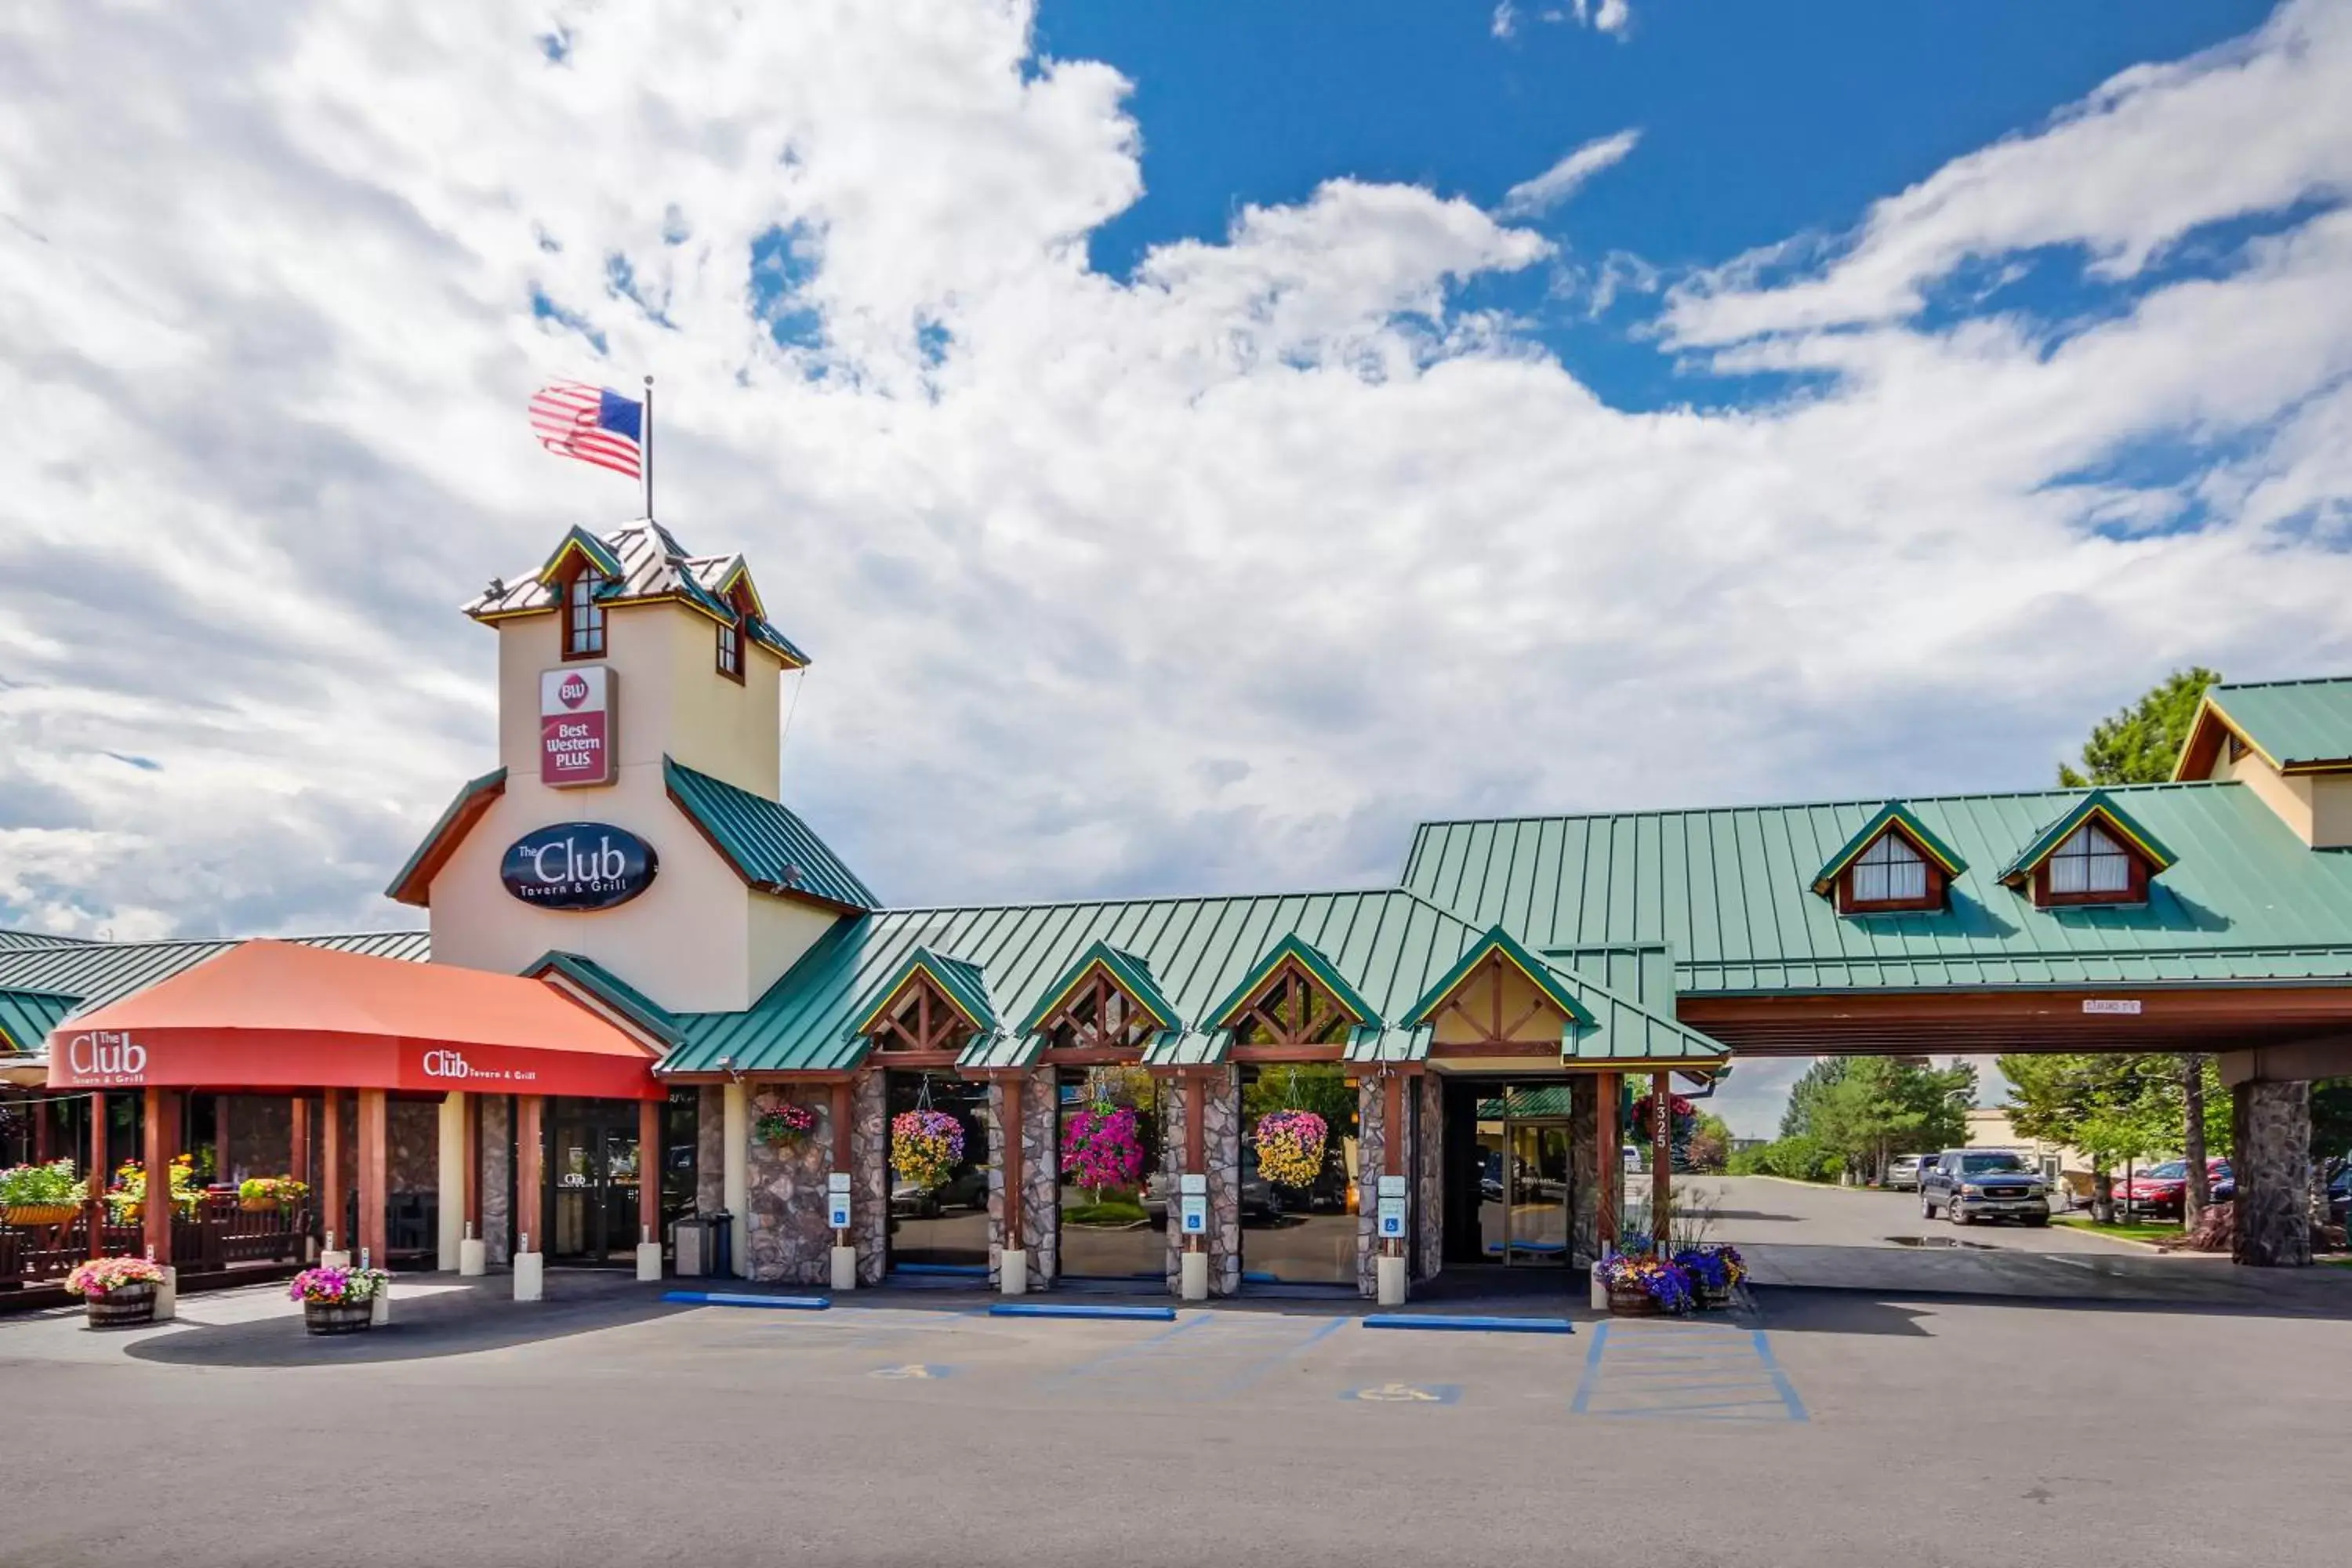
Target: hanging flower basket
<point>784,1123</point>
<point>116,1292</point>
<point>926,1146</point>
<point>1645,1286</point>
<point>1290,1145</point>
<point>1103,1147</point>
<point>338,1301</point>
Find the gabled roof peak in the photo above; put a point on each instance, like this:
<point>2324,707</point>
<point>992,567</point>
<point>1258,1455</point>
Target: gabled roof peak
<point>2096,806</point>
<point>642,563</point>
<point>1894,816</point>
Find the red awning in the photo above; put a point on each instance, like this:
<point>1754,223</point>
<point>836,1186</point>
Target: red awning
<point>279,1016</point>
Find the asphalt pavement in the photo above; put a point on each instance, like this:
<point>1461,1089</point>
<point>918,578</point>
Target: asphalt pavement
<point>1829,1426</point>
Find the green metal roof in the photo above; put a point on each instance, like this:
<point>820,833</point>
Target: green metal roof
<point>95,973</point>
<point>28,1017</point>
<point>1549,1099</point>
<point>2097,804</point>
<point>766,842</point>
<point>1895,814</point>
<point>1730,890</point>
<point>611,990</point>
<point>1386,943</point>
<point>1325,972</point>
<point>1131,973</point>
<point>600,555</point>
<point>2294,723</point>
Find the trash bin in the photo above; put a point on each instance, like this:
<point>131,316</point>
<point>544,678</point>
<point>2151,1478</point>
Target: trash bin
<point>704,1244</point>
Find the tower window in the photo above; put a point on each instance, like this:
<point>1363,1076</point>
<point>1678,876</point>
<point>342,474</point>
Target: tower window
<point>730,650</point>
<point>583,617</point>
<point>2090,864</point>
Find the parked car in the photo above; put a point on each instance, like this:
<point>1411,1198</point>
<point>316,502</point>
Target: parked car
<point>1258,1200</point>
<point>2160,1190</point>
<point>1903,1172</point>
<point>1983,1183</point>
<point>2339,1197</point>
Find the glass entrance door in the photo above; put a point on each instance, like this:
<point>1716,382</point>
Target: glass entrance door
<point>1537,1221</point>
<point>592,1177</point>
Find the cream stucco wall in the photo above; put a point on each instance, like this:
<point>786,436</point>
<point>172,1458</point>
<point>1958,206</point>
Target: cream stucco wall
<point>2291,798</point>
<point>663,659</point>
<point>697,939</point>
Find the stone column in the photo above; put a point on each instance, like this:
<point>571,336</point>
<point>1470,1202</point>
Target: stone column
<point>790,1241</point>
<point>870,1142</point>
<point>1372,1135</point>
<point>735,1185</point>
<point>709,1149</point>
<point>498,1177</point>
<point>2271,1123</point>
<point>1221,1150</point>
<point>1429,1176</point>
<point>1040,1178</point>
<point>1584,1157</point>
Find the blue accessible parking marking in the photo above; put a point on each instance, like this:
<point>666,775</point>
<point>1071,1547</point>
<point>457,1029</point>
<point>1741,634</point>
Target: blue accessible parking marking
<point>1406,1393</point>
<point>1207,1357</point>
<point>913,1371</point>
<point>1685,1371</point>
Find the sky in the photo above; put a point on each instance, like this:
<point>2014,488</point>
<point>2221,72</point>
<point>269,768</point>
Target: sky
<point>1194,442</point>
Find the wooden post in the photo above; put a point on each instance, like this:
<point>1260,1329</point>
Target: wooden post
<point>531,1172</point>
<point>96,1174</point>
<point>298,1139</point>
<point>1391,1124</point>
<point>1661,1157</point>
<point>157,1157</point>
<point>1013,1241</point>
<point>330,1174</point>
<point>222,1170</point>
<point>1610,1169</point>
<point>374,1172</point>
<point>841,1157</point>
<point>649,1169</point>
<point>1196,1131</point>
<point>42,1110</point>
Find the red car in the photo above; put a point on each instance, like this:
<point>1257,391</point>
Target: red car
<point>2159,1189</point>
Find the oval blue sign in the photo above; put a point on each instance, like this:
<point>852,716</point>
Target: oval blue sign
<point>578,866</point>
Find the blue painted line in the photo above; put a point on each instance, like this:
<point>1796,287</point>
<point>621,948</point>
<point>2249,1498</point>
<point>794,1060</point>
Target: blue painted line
<point>1788,1391</point>
<point>729,1298</point>
<point>1470,1325</point>
<point>1046,1309</point>
<point>1259,1277</point>
<point>1592,1378</point>
<point>958,1270</point>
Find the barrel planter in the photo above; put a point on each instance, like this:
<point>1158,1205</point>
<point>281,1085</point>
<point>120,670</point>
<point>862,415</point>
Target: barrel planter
<point>337,1317</point>
<point>257,1206</point>
<point>1632,1301</point>
<point>43,1214</point>
<point>125,1306</point>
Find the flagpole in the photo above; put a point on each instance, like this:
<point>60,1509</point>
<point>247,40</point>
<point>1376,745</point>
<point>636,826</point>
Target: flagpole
<point>646,456</point>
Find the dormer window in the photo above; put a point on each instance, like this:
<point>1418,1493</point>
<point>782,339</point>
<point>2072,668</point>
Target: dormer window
<point>583,617</point>
<point>2092,868</point>
<point>1889,874</point>
<point>1894,864</point>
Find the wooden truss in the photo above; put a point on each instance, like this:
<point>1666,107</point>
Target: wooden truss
<point>921,1018</point>
<point>1098,1014</point>
<point>1492,1028</point>
<point>1293,1010</point>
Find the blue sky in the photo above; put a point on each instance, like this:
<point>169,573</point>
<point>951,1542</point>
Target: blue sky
<point>1756,123</point>
<point>1195,443</point>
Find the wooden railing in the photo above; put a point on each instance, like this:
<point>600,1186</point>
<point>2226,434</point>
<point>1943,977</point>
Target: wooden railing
<point>220,1235</point>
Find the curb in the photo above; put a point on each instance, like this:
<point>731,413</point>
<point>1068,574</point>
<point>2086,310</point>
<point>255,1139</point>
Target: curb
<point>733,1299</point>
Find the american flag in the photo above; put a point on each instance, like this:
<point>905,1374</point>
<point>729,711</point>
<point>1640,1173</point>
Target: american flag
<point>594,424</point>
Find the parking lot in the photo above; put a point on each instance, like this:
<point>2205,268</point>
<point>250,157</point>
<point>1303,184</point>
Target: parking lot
<point>1830,1426</point>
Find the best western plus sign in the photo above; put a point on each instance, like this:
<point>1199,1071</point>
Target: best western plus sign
<point>575,726</point>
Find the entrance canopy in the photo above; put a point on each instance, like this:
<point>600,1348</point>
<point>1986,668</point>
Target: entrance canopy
<point>276,1015</point>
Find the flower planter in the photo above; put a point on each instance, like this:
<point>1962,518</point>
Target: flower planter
<point>257,1206</point>
<point>126,1307</point>
<point>337,1317</point>
<point>44,1213</point>
<point>1713,1300</point>
<point>1631,1302</point>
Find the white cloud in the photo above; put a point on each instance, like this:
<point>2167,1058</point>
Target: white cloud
<point>2253,127</point>
<point>1505,23</point>
<point>1532,198</point>
<point>1210,579</point>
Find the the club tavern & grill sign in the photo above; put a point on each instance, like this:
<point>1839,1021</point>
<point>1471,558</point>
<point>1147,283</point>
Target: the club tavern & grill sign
<point>578,866</point>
